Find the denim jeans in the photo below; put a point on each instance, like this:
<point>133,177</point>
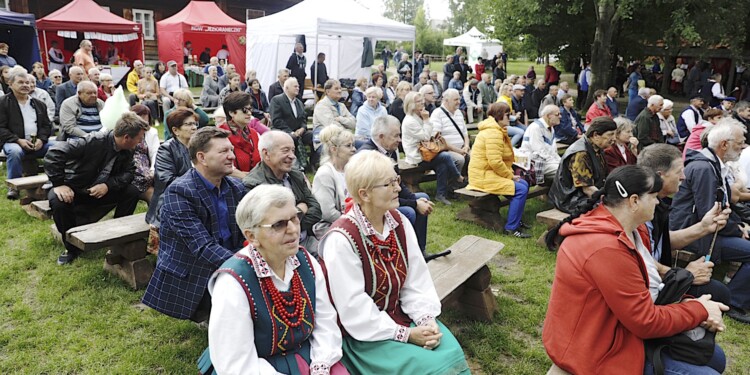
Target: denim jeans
<point>444,168</point>
<point>517,203</point>
<point>418,221</point>
<point>16,154</point>
<point>516,135</point>
<point>716,365</point>
<point>737,249</point>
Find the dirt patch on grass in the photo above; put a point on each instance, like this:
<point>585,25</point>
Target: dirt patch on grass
<point>475,368</point>
<point>506,265</point>
<point>29,293</point>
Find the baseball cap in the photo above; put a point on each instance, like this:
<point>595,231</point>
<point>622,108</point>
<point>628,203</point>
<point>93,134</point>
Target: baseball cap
<point>519,87</point>
<point>730,99</point>
<point>171,63</point>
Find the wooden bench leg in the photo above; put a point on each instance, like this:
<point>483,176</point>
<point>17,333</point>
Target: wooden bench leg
<point>128,262</point>
<point>477,300</point>
<point>483,211</point>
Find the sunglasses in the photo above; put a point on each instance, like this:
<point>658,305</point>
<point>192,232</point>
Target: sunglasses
<point>281,225</point>
<point>247,110</point>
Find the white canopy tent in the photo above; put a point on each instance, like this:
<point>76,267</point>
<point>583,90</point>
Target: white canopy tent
<point>476,44</point>
<point>335,28</point>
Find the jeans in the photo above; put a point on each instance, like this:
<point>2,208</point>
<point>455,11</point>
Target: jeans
<point>516,134</point>
<point>716,365</point>
<point>737,249</point>
<point>16,154</point>
<point>65,216</point>
<point>460,160</point>
<point>517,203</point>
<point>444,168</point>
<point>418,221</point>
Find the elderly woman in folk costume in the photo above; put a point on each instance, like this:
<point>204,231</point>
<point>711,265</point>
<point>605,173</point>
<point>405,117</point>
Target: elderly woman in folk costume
<point>382,290</point>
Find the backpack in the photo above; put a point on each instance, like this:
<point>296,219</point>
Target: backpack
<point>695,346</point>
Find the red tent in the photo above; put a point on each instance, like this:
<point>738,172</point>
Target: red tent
<point>90,21</point>
<point>205,25</point>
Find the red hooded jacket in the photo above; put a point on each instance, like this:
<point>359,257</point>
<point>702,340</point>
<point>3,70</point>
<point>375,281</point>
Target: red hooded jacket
<point>600,309</point>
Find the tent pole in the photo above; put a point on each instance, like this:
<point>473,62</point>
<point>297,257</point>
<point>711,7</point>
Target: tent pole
<point>413,58</point>
<point>315,61</point>
<point>143,50</point>
<point>45,48</point>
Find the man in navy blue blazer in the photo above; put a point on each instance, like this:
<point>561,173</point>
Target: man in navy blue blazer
<point>198,229</point>
<point>612,101</point>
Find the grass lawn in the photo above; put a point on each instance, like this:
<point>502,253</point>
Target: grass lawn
<point>80,319</point>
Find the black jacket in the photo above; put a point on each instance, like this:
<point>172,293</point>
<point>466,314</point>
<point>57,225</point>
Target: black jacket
<point>78,163</point>
<point>262,174</point>
<point>405,197</point>
<point>275,89</point>
<point>697,195</point>
<point>258,108</point>
<point>563,194</point>
<point>172,161</point>
<point>283,117</point>
<point>397,109</point>
<point>11,120</point>
<point>296,66</point>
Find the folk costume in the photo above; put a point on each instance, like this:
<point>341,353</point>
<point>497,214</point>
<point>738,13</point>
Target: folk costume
<point>381,287</point>
<point>261,324</point>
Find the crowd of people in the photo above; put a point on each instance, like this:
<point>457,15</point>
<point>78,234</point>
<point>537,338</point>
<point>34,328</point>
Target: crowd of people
<point>292,274</point>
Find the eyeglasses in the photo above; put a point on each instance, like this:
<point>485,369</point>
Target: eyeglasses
<point>281,225</point>
<point>247,110</point>
<point>190,124</point>
<point>392,183</point>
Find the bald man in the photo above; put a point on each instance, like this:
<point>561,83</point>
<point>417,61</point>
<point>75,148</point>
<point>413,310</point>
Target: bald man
<point>288,115</point>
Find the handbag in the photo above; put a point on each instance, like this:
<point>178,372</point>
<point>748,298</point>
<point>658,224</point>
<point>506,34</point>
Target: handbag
<point>528,175</point>
<point>695,346</point>
<point>431,148</point>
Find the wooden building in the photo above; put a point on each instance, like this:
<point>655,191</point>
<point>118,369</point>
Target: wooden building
<point>148,12</point>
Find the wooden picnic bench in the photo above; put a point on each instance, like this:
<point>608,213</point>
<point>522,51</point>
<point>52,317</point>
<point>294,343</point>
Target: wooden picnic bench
<point>126,238</point>
<point>484,208</point>
<point>413,174</point>
<point>462,278</point>
<point>549,218</point>
<point>31,186</point>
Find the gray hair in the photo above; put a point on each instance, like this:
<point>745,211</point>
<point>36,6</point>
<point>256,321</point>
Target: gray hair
<point>547,110</point>
<point>288,83</point>
<point>74,69</point>
<point>258,202</point>
<point>740,106</point>
<point>668,104</point>
<point>374,89</point>
<point>54,72</point>
<point>644,91</point>
<point>93,70</point>
<point>31,78</point>
<point>267,140</point>
<point>623,123</point>
<point>212,68</point>
<point>424,74</point>
<point>105,77</point>
<point>281,71</point>
<point>724,130</point>
<point>655,99</point>
<point>84,84</point>
<point>16,72</point>
<point>424,89</point>
<point>382,124</point>
<point>450,93</point>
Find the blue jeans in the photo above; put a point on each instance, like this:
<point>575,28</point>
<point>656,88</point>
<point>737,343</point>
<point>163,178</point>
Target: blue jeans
<point>418,221</point>
<point>16,154</point>
<point>517,203</point>
<point>737,249</point>
<point>516,134</point>
<point>444,168</point>
<point>716,365</point>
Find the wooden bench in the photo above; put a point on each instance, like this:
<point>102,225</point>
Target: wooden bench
<point>126,238</point>
<point>723,271</point>
<point>31,185</point>
<point>484,208</point>
<point>462,278</point>
<point>39,209</point>
<point>549,218</point>
<point>413,175</point>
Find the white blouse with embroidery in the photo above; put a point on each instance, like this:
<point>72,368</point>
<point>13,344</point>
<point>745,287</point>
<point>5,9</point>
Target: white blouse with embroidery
<point>230,330</point>
<point>357,312</point>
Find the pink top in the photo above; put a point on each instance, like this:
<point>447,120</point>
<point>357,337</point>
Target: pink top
<point>694,140</point>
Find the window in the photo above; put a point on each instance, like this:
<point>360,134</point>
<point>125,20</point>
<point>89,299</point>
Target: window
<point>4,5</point>
<point>254,13</point>
<point>146,19</point>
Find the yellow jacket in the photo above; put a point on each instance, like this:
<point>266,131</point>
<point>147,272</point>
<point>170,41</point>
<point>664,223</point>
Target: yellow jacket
<point>506,99</point>
<point>490,167</point>
<point>132,82</point>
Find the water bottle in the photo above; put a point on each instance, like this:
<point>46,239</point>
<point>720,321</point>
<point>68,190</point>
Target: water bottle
<point>539,169</point>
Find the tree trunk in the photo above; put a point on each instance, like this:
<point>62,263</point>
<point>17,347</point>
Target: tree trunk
<point>600,49</point>
<point>666,77</point>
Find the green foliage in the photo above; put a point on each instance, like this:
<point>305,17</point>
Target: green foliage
<point>402,10</point>
<point>429,40</point>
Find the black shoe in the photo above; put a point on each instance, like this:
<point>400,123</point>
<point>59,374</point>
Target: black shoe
<point>525,226</point>
<point>739,315</point>
<point>516,233</point>
<point>67,257</point>
<point>12,194</point>
<point>455,185</point>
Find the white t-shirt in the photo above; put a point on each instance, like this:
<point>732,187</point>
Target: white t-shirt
<point>222,54</point>
<point>172,83</point>
<point>29,118</point>
<point>442,123</point>
<point>745,165</point>
<point>654,280</point>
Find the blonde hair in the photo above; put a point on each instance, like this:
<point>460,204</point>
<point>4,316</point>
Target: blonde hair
<point>361,81</point>
<point>185,95</point>
<point>333,136</point>
<point>410,102</point>
<point>403,87</point>
<point>365,169</point>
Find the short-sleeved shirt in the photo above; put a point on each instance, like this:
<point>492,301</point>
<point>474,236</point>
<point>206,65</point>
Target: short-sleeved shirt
<point>172,83</point>
<point>582,169</point>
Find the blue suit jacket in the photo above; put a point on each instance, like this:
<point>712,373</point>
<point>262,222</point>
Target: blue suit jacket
<point>62,92</point>
<point>564,132</point>
<point>635,107</point>
<point>612,104</point>
<point>190,249</point>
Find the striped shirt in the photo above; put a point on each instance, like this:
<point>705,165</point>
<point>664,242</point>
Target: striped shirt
<point>89,120</point>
